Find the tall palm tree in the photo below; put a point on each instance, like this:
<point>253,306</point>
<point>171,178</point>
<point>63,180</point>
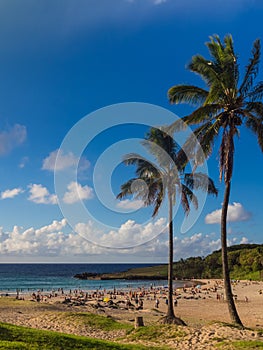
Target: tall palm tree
<point>223,107</point>
<point>154,181</point>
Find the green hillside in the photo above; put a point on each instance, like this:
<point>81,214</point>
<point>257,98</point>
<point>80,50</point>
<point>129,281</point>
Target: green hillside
<point>245,262</point>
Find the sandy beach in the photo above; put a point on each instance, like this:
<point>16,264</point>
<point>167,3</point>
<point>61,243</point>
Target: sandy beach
<point>201,306</point>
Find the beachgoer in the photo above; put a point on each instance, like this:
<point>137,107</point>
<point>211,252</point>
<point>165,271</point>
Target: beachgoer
<point>157,302</point>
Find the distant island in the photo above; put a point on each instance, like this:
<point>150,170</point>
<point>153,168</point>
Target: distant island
<point>245,262</point>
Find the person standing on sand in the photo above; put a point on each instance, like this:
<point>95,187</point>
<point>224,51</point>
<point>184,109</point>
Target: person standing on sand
<point>157,303</point>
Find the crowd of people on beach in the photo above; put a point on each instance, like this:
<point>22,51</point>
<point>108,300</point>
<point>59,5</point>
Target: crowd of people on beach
<point>133,298</point>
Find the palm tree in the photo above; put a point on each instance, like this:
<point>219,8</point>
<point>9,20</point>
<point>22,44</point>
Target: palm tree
<point>153,182</point>
<point>222,108</point>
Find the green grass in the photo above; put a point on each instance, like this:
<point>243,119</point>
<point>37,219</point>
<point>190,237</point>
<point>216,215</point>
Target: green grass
<point>254,276</point>
<point>241,345</point>
<point>159,271</point>
<point>17,337</point>
<point>96,321</point>
<point>153,333</point>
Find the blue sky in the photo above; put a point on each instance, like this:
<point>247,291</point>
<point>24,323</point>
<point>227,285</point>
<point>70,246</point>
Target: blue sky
<point>61,61</point>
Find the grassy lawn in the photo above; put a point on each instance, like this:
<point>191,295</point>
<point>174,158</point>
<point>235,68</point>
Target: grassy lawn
<point>16,337</point>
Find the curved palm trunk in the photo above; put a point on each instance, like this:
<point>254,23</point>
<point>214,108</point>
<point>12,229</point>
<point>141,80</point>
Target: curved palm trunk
<point>170,311</point>
<point>227,283</point>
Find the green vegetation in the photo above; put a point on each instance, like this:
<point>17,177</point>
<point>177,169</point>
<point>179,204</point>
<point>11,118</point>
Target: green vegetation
<point>241,344</point>
<point>245,262</point>
<point>16,337</point>
<point>156,332</point>
<point>96,321</point>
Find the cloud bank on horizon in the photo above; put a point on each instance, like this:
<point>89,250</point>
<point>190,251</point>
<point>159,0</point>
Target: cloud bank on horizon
<point>51,242</point>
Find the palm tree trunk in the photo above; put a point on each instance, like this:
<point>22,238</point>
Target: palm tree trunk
<point>170,317</point>
<point>227,283</point>
<point>170,311</point>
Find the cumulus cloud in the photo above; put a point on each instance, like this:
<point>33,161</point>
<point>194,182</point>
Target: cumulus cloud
<point>54,226</point>
<point>128,204</point>
<point>32,241</point>
<point>12,138</point>
<point>130,234</point>
<point>63,161</point>
<point>52,241</point>
<point>40,195</point>
<point>244,240</point>
<point>77,193</point>
<point>236,212</point>
<point>11,193</point>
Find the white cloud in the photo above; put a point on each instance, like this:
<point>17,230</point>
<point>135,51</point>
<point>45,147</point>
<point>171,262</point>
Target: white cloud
<point>244,240</point>
<point>40,195</point>
<point>52,241</point>
<point>76,193</point>
<point>11,138</point>
<point>236,212</point>
<point>11,193</point>
<point>128,204</point>
<point>63,161</point>
<point>55,226</point>
<point>130,234</point>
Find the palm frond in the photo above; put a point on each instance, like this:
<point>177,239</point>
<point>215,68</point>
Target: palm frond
<point>200,181</point>
<point>252,108</point>
<point>187,94</point>
<point>132,159</point>
<point>256,126</point>
<point>206,135</point>
<point>185,202</point>
<point>187,197</point>
<point>256,93</point>
<point>206,69</point>
<point>162,146</point>
<point>203,114</point>
<point>215,48</point>
<point>251,69</point>
<point>144,168</point>
<point>126,189</point>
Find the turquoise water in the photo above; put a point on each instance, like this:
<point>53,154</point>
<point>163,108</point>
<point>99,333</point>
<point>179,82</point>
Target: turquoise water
<point>47,277</point>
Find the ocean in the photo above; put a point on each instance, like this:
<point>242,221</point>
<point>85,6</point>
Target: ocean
<point>47,277</point>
